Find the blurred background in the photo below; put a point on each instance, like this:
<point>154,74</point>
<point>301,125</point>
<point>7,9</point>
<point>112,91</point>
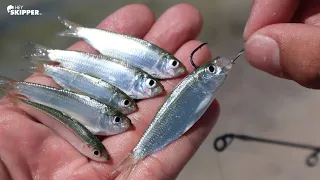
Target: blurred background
<point>252,102</point>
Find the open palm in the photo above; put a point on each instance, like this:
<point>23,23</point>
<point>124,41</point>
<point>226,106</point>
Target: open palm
<point>30,150</point>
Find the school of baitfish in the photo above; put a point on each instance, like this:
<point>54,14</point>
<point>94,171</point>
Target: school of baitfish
<point>99,91</point>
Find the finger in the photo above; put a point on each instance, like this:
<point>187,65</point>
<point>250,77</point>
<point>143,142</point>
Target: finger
<point>309,12</point>
<point>37,146</point>
<point>44,146</point>
<point>176,26</point>
<point>313,20</point>
<point>133,19</point>
<point>4,173</point>
<point>148,108</point>
<point>266,12</point>
<point>167,163</point>
<point>291,50</point>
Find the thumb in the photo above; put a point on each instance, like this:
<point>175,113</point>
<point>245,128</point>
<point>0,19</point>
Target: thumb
<point>287,50</point>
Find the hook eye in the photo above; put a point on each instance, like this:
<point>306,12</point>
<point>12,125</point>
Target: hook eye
<point>222,142</point>
<point>313,159</point>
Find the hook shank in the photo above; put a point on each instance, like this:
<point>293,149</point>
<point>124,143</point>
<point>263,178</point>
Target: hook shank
<point>194,51</point>
<point>237,56</point>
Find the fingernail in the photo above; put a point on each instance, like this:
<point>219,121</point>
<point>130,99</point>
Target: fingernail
<point>263,53</point>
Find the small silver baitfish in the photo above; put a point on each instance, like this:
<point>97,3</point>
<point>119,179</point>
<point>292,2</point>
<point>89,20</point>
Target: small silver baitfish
<point>91,86</point>
<point>149,57</point>
<point>99,118</point>
<point>131,80</point>
<point>73,132</point>
<point>180,111</point>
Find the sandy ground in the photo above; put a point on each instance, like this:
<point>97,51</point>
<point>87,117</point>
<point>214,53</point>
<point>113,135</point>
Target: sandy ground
<point>252,102</point>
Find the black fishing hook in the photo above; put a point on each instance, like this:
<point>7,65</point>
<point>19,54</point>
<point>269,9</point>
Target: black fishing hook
<point>194,51</point>
<point>237,56</point>
<point>199,47</point>
<point>222,142</point>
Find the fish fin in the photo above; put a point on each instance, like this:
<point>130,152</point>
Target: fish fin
<point>124,169</point>
<point>72,28</point>
<point>13,99</point>
<point>78,91</point>
<point>38,50</point>
<point>38,68</point>
<point>39,54</point>
<point>16,98</point>
<point>7,84</point>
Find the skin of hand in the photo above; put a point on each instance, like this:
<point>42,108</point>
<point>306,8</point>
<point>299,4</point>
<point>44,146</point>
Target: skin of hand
<point>283,39</point>
<point>30,150</point>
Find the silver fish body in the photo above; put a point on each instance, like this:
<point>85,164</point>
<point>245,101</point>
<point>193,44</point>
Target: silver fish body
<point>149,57</point>
<point>131,80</point>
<point>91,86</point>
<point>183,107</point>
<point>99,118</point>
<point>73,132</point>
<point>181,110</point>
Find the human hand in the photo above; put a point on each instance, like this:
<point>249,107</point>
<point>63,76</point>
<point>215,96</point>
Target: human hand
<point>29,150</point>
<point>283,39</point>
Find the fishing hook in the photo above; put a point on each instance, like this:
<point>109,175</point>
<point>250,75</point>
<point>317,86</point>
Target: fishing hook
<point>237,56</point>
<point>194,51</point>
<point>199,47</point>
<point>222,142</point>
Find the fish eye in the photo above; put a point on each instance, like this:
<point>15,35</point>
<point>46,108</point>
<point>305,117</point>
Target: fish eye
<point>126,103</point>
<point>117,119</point>
<point>151,83</point>
<point>173,63</point>
<point>96,153</point>
<point>211,69</point>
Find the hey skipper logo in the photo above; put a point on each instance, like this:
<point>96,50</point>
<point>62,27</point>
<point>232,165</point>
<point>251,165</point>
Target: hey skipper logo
<point>19,11</point>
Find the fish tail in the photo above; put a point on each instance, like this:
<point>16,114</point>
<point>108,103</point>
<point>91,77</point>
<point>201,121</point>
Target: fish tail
<point>16,98</point>
<point>72,28</point>
<point>39,54</point>
<point>8,86</point>
<point>123,170</point>
<point>38,68</point>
